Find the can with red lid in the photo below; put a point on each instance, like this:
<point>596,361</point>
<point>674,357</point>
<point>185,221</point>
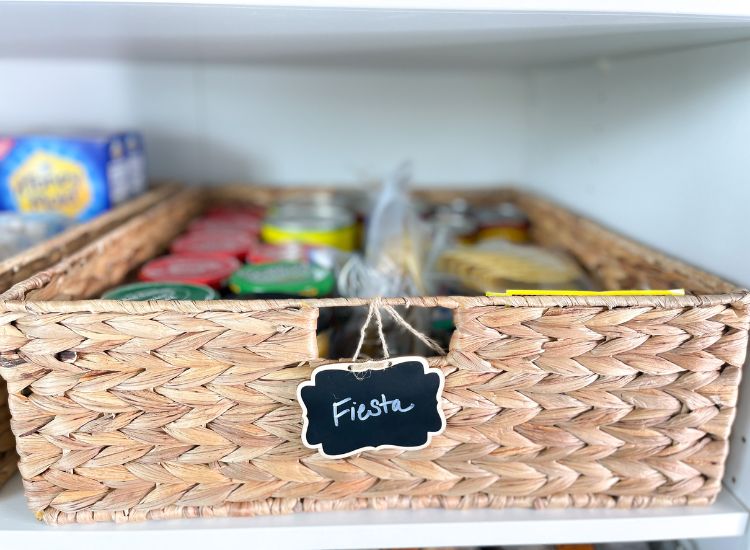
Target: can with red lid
<point>220,243</point>
<point>204,269</point>
<point>227,211</point>
<point>246,225</point>
<point>263,253</point>
<point>212,232</point>
<point>246,219</point>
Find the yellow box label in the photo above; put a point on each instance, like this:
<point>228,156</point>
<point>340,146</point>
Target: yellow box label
<point>47,182</point>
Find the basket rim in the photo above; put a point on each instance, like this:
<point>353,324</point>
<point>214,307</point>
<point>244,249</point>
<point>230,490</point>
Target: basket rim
<point>16,297</point>
<point>740,297</point>
<point>94,228</point>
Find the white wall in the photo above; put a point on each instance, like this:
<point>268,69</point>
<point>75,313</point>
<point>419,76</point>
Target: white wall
<point>283,125</point>
<point>654,145</point>
<point>657,146</point>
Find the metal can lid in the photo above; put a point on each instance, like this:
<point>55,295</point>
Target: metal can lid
<point>263,253</point>
<point>161,291</point>
<point>352,200</point>
<point>220,243</point>
<point>239,224</point>
<point>289,278</point>
<point>504,214</point>
<point>312,216</point>
<point>204,269</point>
<point>458,220</point>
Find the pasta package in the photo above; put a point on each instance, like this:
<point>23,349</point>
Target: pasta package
<point>497,265</point>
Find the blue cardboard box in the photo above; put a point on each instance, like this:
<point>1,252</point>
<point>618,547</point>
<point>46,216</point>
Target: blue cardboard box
<point>79,176</point>
<point>136,160</point>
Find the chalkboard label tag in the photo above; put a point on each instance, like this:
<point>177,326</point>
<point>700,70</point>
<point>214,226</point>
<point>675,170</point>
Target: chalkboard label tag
<point>348,408</point>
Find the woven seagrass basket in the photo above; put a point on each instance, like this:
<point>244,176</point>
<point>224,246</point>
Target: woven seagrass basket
<point>128,411</point>
<point>25,264</point>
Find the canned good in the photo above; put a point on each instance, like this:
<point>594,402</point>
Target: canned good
<point>458,219</point>
<point>316,199</point>
<point>262,253</point>
<point>289,279</point>
<point>229,212</point>
<point>312,222</point>
<point>247,225</point>
<point>355,201</point>
<point>442,326</point>
<point>161,291</point>
<point>221,243</point>
<point>503,221</point>
<point>324,331</point>
<point>190,268</point>
<point>326,256</point>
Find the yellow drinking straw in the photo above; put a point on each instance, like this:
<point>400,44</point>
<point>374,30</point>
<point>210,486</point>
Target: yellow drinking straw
<point>535,292</point>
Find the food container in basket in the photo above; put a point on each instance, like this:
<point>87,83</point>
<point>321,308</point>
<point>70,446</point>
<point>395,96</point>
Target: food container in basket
<point>25,264</point>
<point>128,411</point>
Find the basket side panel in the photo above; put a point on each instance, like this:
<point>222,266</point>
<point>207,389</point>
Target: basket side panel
<point>25,264</point>
<point>118,418</point>
<point>117,412</point>
<point>632,403</point>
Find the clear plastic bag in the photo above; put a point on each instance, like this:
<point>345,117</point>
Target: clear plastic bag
<point>392,265</point>
<point>395,251</point>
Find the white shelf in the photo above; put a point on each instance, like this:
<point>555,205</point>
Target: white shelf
<point>688,7</point>
<point>388,33</point>
<point>376,529</point>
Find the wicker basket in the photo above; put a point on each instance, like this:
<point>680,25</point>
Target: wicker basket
<point>133,410</point>
<point>21,266</point>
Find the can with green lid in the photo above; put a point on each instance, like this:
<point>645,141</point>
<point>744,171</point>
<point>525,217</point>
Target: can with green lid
<point>161,291</point>
<point>282,279</point>
<point>288,279</point>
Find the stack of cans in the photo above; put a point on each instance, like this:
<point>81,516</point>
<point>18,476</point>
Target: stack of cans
<point>250,252</point>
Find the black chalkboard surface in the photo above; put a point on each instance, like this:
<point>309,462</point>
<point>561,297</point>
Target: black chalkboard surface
<point>346,411</point>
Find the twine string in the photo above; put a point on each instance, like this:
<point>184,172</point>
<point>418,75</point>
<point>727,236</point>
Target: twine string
<point>363,331</point>
<point>381,335</point>
<point>426,340</point>
<point>374,311</point>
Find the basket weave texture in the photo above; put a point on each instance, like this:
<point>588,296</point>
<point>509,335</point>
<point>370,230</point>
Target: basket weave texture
<point>25,264</point>
<point>127,411</point>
